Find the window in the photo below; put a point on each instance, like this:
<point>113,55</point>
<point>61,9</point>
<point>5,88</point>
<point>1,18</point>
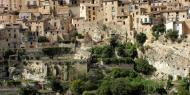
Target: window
<point>93,8</point>
<point>145,20</point>
<point>124,23</point>
<point>137,20</point>
<point>122,10</point>
<point>93,18</point>
<point>112,9</point>
<point>34,3</point>
<point>82,7</point>
<point>14,35</point>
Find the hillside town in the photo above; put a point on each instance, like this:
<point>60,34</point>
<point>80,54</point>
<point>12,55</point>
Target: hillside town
<point>94,47</point>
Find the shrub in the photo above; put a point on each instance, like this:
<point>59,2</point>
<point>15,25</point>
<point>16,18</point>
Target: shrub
<point>158,30</point>
<point>105,51</point>
<point>172,35</point>
<point>43,39</point>
<point>127,50</point>
<point>115,60</point>
<point>8,53</point>
<point>28,91</point>
<point>143,66</point>
<point>80,36</point>
<point>77,87</point>
<point>51,52</point>
<point>121,73</point>
<point>141,38</point>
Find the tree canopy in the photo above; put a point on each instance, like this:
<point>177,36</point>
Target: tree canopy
<point>143,66</point>
<point>158,30</point>
<point>172,35</point>
<point>141,38</point>
<point>51,52</point>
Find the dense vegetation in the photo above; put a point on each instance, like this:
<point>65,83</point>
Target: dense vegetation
<point>115,52</point>
<point>141,38</point>
<point>51,52</point>
<point>116,82</point>
<point>142,66</point>
<point>158,30</point>
<point>172,35</point>
<point>42,39</point>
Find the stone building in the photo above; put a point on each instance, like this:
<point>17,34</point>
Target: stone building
<point>45,7</point>
<point>7,18</point>
<point>110,8</point>
<point>34,70</point>
<point>39,27</point>
<point>89,11</point>
<point>175,15</point>
<point>11,5</point>
<point>12,36</point>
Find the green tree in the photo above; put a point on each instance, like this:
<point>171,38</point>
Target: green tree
<point>95,75</point>
<point>8,53</point>
<point>121,87</point>
<point>158,30</point>
<point>114,41</point>
<point>119,73</point>
<point>127,50</point>
<point>172,35</point>
<point>88,93</point>
<point>169,82</point>
<point>141,38</point>
<point>42,39</point>
<point>90,85</point>
<point>77,87</point>
<point>28,91</point>
<point>104,88</point>
<point>131,50</point>
<point>51,52</point>
<point>108,51</point>
<point>143,66</point>
<point>152,87</point>
<point>121,50</point>
<point>59,86</point>
<point>183,87</point>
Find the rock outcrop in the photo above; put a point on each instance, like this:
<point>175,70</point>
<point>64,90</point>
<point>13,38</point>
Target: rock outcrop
<point>169,60</point>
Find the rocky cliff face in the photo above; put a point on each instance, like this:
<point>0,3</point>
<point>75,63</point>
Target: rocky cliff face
<point>169,59</point>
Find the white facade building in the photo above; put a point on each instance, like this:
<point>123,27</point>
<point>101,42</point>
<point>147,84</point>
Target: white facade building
<point>176,26</point>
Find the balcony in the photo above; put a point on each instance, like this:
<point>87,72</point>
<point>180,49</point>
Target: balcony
<point>146,21</point>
